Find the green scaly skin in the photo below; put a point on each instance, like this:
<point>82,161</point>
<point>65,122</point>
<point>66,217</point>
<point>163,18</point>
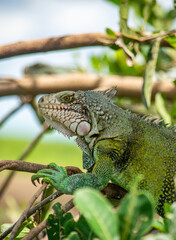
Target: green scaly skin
<point>117,145</point>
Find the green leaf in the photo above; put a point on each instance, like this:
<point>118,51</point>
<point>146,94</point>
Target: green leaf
<point>135,216</point>
<point>84,230</point>
<point>98,212</point>
<point>161,108</point>
<point>149,73</point>
<point>23,230</point>
<point>116,2</point>
<point>56,222</point>
<point>96,63</point>
<point>73,236</point>
<point>124,7</point>
<point>69,227</point>
<point>172,219</point>
<point>49,190</point>
<point>146,12</point>
<point>171,40</point>
<point>110,33</point>
<point>158,237</point>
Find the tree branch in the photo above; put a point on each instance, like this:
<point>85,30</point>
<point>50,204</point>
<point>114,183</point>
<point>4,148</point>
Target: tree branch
<point>111,191</point>
<point>127,85</point>
<point>31,167</point>
<point>71,41</point>
<point>51,44</point>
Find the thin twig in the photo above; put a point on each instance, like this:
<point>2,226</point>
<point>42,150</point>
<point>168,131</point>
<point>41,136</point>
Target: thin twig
<point>33,210</point>
<point>10,114</point>
<point>35,231</point>
<point>69,205</point>
<point>23,216</point>
<point>23,99</point>
<point>22,157</point>
<point>44,202</point>
<point>35,108</point>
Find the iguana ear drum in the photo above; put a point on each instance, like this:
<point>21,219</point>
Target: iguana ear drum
<point>83,128</point>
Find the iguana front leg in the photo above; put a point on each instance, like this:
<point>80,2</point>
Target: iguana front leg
<point>98,179</point>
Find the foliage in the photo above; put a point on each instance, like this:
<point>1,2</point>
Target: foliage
<point>22,231</point>
<point>150,14</point>
<point>135,59</point>
<point>62,224</point>
<point>98,213</point>
<point>133,220</point>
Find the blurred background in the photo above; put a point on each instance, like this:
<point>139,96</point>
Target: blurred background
<point>26,20</point>
<point>30,19</point>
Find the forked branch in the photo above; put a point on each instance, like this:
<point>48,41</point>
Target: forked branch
<point>72,41</point>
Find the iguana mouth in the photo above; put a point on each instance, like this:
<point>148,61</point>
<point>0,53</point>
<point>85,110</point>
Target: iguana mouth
<point>65,118</point>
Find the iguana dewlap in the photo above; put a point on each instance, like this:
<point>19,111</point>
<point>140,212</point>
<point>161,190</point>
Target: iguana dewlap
<point>117,145</point>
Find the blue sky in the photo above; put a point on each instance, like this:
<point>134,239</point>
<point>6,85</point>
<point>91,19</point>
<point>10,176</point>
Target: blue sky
<point>34,19</point>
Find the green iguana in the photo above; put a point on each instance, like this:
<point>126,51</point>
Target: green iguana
<point>117,145</point>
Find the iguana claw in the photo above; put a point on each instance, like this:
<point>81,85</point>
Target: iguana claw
<point>34,178</point>
<point>52,176</point>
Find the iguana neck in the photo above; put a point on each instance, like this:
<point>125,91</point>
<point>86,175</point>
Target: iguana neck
<point>113,123</point>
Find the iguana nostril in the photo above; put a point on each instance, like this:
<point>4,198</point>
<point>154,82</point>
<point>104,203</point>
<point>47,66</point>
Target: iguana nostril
<point>41,100</point>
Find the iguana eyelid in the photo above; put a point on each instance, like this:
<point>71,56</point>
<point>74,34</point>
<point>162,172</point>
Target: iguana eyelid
<point>66,98</point>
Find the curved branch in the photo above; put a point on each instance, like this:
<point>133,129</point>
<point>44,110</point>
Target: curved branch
<point>70,41</point>
<point>51,44</point>
<point>127,86</point>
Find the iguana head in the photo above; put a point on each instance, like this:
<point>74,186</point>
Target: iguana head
<point>82,113</point>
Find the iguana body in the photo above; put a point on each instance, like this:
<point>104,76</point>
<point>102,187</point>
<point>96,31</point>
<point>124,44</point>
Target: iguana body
<point>117,145</point>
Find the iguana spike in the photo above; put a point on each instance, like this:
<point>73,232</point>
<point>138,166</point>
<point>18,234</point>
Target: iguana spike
<point>160,122</point>
<point>110,92</point>
<point>172,127</point>
<point>153,120</point>
<point>145,116</point>
<point>166,124</point>
<point>141,115</point>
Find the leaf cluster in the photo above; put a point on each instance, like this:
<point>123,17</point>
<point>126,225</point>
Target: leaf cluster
<point>133,56</point>
<point>134,219</point>
<point>61,225</point>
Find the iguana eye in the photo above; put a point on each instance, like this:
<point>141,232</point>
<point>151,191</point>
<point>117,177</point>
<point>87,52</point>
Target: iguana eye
<point>67,98</point>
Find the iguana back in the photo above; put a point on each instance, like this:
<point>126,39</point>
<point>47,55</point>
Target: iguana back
<point>150,152</point>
